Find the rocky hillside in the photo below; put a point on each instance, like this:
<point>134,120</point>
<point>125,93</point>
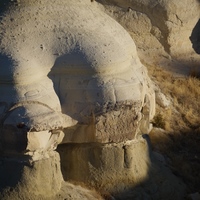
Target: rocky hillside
<point>167,37</point>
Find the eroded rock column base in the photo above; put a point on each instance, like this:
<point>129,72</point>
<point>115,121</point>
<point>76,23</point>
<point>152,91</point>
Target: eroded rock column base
<point>112,167</point>
<point>126,170</point>
<point>23,179</point>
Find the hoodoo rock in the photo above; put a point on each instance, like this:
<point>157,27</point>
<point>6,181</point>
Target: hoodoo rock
<point>74,71</point>
<point>70,75</point>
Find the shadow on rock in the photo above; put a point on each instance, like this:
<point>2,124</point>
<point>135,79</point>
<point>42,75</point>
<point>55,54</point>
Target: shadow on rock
<point>195,37</point>
<point>11,172</point>
<point>159,182</point>
<point>182,153</point>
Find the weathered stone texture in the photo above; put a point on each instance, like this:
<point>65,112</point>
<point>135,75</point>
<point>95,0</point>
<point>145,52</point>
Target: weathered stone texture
<point>161,29</point>
<point>106,167</point>
<point>71,74</point>
<point>76,71</point>
<point>22,179</point>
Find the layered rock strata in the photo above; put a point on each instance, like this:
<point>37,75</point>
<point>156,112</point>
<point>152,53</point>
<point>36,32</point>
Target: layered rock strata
<point>92,67</point>
<point>112,168</point>
<point>70,74</point>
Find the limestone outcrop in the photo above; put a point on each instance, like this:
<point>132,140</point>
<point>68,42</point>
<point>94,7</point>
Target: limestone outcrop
<point>163,30</point>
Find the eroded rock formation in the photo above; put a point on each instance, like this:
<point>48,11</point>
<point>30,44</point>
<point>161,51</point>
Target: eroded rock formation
<point>70,71</point>
<point>74,69</point>
<point>162,30</point>
<point>70,74</point>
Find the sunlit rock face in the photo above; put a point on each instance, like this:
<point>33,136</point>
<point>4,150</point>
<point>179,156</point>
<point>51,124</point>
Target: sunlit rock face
<point>70,74</point>
<point>164,31</point>
<point>70,67</point>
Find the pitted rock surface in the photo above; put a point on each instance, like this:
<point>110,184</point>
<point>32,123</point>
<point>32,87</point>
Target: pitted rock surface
<point>72,73</point>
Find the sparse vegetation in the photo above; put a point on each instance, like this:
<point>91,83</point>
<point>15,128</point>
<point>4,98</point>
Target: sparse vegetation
<point>158,121</point>
<point>184,93</point>
<point>179,138</point>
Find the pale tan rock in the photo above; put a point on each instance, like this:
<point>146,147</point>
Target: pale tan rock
<point>21,179</point>
<point>127,170</point>
<point>113,167</point>
<point>161,99</point>
<point>78,67</point>
<point>69,70</point>
<point>162,30</point>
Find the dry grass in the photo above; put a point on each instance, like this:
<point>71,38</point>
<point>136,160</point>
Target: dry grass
<point>185,96</point>
<point>180,139</point>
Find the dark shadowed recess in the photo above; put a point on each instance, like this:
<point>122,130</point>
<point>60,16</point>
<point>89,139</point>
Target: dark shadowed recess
<point>195,37</point>
<point>11,172</point>
<point>4,5</point>
<point>183,153</point>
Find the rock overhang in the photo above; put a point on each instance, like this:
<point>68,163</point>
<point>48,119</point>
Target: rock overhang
<point>83,71</point>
